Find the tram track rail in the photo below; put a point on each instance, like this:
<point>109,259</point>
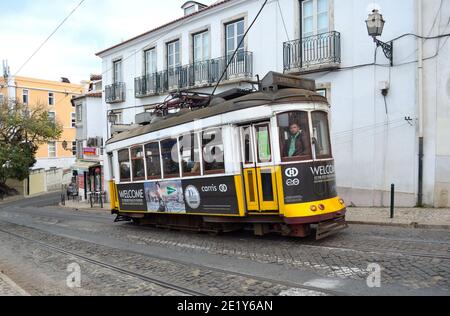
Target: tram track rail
<point>184,290</point>
<point>108,266</point>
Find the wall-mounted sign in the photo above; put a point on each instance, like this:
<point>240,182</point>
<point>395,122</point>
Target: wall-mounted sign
<point>90,151</point>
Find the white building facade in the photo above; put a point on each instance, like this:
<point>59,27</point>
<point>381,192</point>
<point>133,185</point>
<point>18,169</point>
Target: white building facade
<point>375,137</point>
<point>88,173</point>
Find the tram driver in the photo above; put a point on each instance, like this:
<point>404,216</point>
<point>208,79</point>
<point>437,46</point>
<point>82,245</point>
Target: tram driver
<point>295,145</point>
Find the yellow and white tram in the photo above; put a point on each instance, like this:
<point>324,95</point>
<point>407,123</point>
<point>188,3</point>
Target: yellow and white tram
<point>262,160</point>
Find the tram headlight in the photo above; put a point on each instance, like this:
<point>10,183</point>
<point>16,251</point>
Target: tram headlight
<point>313,208</point>
<point>322,207</point>
<point>342,201</point>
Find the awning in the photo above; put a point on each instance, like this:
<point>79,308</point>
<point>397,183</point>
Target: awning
<point>85,165</point>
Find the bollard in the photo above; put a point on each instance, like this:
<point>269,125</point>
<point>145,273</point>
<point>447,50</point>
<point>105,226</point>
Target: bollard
<point>392,201</point>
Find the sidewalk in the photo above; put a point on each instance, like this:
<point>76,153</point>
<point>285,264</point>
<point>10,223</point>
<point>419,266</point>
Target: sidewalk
<point>86,206</point>
<point>9,288</point>
<point>404,217</point>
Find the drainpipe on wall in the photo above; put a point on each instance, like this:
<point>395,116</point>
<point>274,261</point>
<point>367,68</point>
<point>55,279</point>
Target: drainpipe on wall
<point>420,100</point>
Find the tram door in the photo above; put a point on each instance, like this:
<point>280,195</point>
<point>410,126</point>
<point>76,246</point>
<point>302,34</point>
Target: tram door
<point>258,168</point>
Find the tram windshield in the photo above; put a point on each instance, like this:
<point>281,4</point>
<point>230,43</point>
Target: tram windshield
<point>321,135</point>
<point>295,144</point>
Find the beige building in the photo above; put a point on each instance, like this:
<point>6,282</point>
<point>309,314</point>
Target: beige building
<point>55,97</point>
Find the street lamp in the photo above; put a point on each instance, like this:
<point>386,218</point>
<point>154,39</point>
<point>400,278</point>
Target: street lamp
<point>375,25</point>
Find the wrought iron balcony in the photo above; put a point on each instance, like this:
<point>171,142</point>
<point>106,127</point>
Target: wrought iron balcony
<point>194,75</point>
<point>115,93</point>
<point>321,51</point>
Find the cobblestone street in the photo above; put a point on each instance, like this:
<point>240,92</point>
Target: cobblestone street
<point>40,241</point>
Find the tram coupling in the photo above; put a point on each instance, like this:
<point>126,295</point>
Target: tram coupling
<point>328,228</point>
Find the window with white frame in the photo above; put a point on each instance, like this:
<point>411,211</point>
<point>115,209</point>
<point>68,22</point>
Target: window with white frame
<point>117,73</point>
<point>315,17</point>
<point>52,117</point>
<point>51,98</point>
<point>173,55</point>
<point>74,148</point>
<point>201,46</point>
<point>150,61</point>
<point>51,149</point>
<point>234,35</point>
<point>25,97</point>
<point>79,113</point>
<point>73,117</point>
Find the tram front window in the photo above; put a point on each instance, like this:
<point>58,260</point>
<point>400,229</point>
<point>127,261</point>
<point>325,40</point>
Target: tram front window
<point>294,136</point>
<point>213,154</point>
<point>124,165</point>
<point>169,153</point>
<point>321,136</point>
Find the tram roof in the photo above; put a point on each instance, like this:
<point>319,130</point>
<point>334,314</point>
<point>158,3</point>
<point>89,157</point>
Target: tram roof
<point>249,101</point>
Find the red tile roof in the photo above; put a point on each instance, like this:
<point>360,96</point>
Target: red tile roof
<point>165,25</point>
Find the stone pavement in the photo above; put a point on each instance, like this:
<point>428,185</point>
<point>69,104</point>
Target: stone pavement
<point>86,206</point>
<point>9,288</point>
<point>404,217</point>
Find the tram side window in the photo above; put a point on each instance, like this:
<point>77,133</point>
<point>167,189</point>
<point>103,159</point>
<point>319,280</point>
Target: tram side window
<point>321,135</point>
<point>295,141</point>
<point>170,158</point>
<point>213,151</point>
<point>137,163</point>
<point>153,161</point>
<point>248,145</point>
<point>125,165</point>
<point>190,155</point>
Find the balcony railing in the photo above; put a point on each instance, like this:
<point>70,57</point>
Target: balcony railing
<point>313,52</point>
<point>194,75</point>
<point>115,93</point>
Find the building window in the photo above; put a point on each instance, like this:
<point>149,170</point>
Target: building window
<point>315,17</point>
<point>119,118</point>
<point>137,163</point>
<point>213,152</point>
<point>150,61</point>
<point>125,165</point>
<point>173,55</point>
<point>51,149</point>
<point>153,160</point>
<point>117,74</point>
<point>234,35</point>
<point>52,117</point>
<point>73,117</point>
<point>322,92</point>
<point>25,97</point>
<point>201,47</point>
<point>79,113</point>
<point>51,98</point>
<point>74,149</point>
<point>2,99</point>
<point>189,10</point>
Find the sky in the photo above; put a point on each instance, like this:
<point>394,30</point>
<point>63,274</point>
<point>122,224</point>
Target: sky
<point>96,25</point>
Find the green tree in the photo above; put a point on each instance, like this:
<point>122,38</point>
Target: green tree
<point>22,130</point>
